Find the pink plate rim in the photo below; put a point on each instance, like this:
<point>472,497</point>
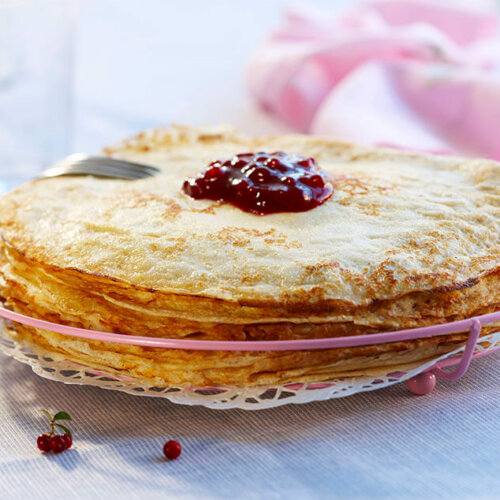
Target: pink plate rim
<point>254,345</point>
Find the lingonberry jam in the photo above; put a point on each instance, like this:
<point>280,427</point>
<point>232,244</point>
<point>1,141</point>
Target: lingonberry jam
<point>263,183</point>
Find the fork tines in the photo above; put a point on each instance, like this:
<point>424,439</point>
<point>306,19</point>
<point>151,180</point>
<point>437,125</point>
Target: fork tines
<point>100,166</point>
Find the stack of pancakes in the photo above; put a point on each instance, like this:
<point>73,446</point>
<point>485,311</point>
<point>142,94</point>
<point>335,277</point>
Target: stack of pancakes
<point>406,240</point>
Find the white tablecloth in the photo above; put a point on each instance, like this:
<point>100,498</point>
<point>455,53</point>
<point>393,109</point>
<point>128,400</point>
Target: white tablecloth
<point>385,444</point>
<point>141,64</point>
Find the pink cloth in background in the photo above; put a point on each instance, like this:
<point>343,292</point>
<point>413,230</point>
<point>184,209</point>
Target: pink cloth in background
<point>411,74</point>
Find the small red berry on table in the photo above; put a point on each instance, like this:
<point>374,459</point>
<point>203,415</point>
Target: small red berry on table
<point>57,444</point>
<point>42,442</point>
<point>172,449</point>
<point>50,441</point>
<point>68,439</point>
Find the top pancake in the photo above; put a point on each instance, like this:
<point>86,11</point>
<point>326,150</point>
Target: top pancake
<point>397,223</point>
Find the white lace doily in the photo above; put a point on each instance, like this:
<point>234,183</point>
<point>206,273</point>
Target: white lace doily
<point>54,367</point>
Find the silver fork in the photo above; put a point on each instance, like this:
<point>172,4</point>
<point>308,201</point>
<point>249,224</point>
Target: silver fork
<point>99,166</point>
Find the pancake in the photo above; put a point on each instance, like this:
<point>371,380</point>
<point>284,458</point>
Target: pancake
<point>406,240</point>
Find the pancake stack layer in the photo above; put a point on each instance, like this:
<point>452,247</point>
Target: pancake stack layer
<point>406,240</point>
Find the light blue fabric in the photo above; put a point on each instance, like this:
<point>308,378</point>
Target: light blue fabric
<point>386,444</point>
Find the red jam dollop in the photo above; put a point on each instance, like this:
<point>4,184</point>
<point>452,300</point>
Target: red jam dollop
<point>263,183</point>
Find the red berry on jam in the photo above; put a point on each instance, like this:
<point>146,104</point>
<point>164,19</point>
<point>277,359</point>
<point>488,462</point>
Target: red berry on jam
<point>237,163</point>
<point>273,162</point>
<point>260,174</point>
<point>213,173</point>
<point>42,442</point>
<point>313,181</point>
<point>263,183</point>
<point>307,162</point>
<point>172,449</point>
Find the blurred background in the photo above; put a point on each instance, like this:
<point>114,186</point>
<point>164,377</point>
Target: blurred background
<point>77,75</point>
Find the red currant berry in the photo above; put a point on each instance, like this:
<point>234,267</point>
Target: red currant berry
<point>260,174</point>
<point>68,440</point>
<point>42,442</point>
<point>193,190</point>
<point>315,181</point>
<point>274,162</point>
<point>57,444</point>
<point>237,163</point>
<point>245,156</point>
<point>307,162</point>
<point>213,173</point>
<point>172,449</point>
